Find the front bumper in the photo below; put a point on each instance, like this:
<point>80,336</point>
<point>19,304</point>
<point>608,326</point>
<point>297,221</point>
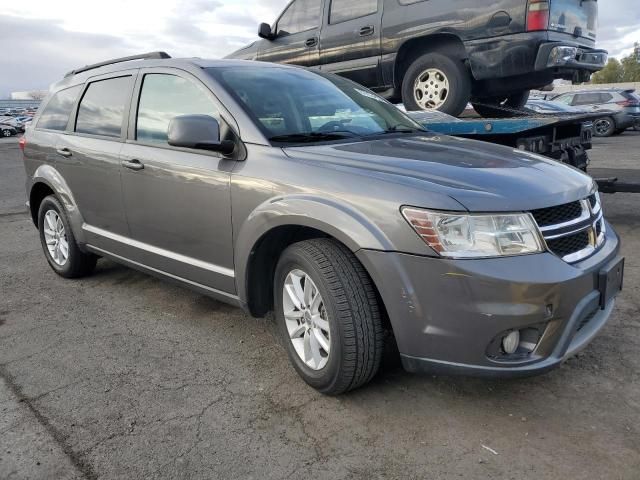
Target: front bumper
<point>447,314</point>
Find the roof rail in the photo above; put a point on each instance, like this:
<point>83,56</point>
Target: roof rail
<point>144,56</point>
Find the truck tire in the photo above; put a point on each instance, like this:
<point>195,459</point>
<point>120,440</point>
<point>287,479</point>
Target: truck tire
<point>59,244</point>
<point>604,127</point>
<point>328,315</point>
<point>500,107</point>
<point>436,82</point>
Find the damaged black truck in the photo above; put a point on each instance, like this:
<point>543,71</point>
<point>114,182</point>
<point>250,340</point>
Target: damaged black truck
<point>439,54</point>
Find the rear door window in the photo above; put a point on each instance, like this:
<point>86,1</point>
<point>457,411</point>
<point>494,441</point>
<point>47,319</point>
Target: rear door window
<point>587,99</point>
<point>605,97</point>
<point>164,97</point>
<point>343,10</point>
<point>102,108</point>
<point>56,114</point>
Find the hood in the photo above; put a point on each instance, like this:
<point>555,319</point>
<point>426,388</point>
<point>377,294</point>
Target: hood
<point>483,177</point>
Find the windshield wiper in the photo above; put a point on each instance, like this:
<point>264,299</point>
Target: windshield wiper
<point>398,129</point>
<point>311,136</point>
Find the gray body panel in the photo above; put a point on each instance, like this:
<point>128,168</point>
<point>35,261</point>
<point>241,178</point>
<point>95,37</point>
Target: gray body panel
<point>196,217</point>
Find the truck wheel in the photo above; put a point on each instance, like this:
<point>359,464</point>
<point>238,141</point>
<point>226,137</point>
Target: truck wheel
<point>500,107</point>
<point>436,82</point>
<point>604,127</point>
<point>328,315</point>
<point>58,242</point>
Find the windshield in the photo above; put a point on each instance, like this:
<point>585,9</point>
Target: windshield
<point>291,104</point>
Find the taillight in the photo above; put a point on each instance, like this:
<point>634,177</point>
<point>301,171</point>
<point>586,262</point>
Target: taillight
<point>629,103</point>
<point>22,143</point>
<point>537,15</point>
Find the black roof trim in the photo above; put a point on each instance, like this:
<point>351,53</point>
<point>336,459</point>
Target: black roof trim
<point>143,56</point>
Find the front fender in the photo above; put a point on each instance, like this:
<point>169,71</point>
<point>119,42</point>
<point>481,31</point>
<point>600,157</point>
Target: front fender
<point>48,175</point>
<point>338,220</point>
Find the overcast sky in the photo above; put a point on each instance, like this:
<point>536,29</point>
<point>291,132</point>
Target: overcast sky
<point>42,39</point>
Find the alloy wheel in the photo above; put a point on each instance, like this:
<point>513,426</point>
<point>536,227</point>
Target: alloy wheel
<point>431,89</point>
<point>602,126</point>
<point>306,319</point>
<point>56,238</point>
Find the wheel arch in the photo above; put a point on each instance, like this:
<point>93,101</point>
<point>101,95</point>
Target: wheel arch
<point>47,180</point>
<point>276,225</point>
<point>446,43</point>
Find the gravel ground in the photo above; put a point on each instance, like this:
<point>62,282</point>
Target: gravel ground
<point>121,375</point>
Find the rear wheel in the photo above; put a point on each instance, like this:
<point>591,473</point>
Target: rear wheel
<point>436,82</point>
<point>58,242</point>
<point>6,133</point>
<point>604,127</point>
<point>500,107</point>
<point>328,316</point>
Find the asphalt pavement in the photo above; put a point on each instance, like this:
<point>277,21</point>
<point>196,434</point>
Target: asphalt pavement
<point>121,375</point>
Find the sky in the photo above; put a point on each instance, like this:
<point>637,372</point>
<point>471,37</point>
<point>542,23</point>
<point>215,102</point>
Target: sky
<point>43,39</point>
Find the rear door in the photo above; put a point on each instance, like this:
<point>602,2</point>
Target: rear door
<point>297,35</point>
<point>350,40</point>
<point>177,200</point>
<point>89,157</point>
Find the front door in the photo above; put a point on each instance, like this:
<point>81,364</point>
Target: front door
<point>350,43</point>
<point>177,200</point>
<point>297,33</point>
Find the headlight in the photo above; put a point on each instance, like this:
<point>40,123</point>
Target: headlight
<point>463,235</point>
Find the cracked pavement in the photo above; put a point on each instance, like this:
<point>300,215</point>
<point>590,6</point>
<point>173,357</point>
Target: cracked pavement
<point>121,375</point>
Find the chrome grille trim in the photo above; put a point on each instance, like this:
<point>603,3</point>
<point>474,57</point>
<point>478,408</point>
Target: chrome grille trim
<point>591,220</point>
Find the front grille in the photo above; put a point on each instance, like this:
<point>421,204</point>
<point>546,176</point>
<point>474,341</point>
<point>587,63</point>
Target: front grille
<point>564,246</point>
<point>585,321</point>
<point>556,215</point>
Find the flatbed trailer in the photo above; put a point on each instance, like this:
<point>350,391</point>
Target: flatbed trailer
<point>565,138</point>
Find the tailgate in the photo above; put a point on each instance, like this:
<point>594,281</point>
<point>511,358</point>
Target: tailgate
<point>575,17</point>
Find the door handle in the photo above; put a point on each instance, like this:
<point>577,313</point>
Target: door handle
<point>366,31</point>
<point>311,42</point>
<point>64,152</point>
<point>133,164</point>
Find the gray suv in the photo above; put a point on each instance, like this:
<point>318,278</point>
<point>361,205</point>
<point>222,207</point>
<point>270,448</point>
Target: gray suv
<point>275,188</point>
<point>620,107</point>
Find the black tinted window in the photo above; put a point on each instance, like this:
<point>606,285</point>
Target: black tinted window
<point>587,99</point>
<point>102,108</point>
<point>300,16</point>
<point>164,97</point>
<point>56,114</point>
<point>342,10</point>
<point>605,97</point>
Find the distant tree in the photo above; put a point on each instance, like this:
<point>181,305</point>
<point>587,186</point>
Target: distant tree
<point>613,72</point>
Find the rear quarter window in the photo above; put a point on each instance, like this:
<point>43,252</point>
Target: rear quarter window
<point>101,110</point>
<point>55,115</point>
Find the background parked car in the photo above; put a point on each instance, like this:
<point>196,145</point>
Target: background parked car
<point>7,131</point>
<point>624,106</point>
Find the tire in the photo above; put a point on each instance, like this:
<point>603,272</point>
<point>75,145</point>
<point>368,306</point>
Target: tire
<point>500,107</point>
<point>6,133</point>
<point>604,127</point>
<point>456,76</point>
<point>348,306</point>
<point>77,264</point>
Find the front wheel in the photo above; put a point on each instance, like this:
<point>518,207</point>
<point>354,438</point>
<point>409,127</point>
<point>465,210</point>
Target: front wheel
<point>501,107</point>
<point>328,315</point>
<point>6,133</point>
<point>436,82</point>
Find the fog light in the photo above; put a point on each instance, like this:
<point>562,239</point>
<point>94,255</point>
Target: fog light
<point>510,342</point>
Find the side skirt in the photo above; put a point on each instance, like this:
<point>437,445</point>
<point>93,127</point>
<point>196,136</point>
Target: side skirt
<point>203,289</point>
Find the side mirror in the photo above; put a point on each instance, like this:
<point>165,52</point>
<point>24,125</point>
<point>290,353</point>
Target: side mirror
<point>201,132</point>
<point>264,31</point>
